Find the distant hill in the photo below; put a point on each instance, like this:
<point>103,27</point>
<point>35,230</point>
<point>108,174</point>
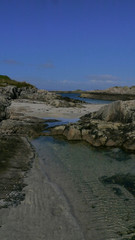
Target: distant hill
<point>5,80</point>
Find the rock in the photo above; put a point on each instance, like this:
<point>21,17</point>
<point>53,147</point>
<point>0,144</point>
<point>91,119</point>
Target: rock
<point>12,91</point>
<point>111,126</point>
<point>73,133</point>
<point>114,93</point>
<point>119,111</point>
<point>112,143</point>
<point>124,180</point>
<point>50,98</point>
<point>18,157</point>
<point>58,130</point>
<point>22,126</point>
<point>4,103</point>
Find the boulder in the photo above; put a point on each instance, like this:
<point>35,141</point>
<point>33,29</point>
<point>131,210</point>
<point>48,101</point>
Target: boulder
<point>58,130</point>
<point>73,133</point>
<point>12,91</point>
<point>111,126</point>
<point>119,111</point>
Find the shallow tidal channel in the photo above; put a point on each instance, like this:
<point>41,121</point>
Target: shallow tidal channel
<point>98,184</point>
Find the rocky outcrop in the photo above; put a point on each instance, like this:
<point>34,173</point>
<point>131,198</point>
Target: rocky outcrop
<point>50,98</point>
<point>10,92</point>
<point>112,126</point>
<point>30,126</point>
<point>16,157</point>
<point>4,103</point>
<point>114,93</point>
<point>6,95</point>
<point>33,94</point>
<point>119,90</point>
<point>120,111</point>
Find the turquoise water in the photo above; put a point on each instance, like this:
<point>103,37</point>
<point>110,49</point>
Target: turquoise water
<point>99,185</point>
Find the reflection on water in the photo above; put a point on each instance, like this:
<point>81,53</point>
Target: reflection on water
<point>95,184</point>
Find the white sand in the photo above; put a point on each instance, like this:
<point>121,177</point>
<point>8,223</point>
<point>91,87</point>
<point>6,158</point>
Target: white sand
<point>43,110</point>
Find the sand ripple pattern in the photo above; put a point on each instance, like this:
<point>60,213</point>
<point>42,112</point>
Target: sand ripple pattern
<point>104,211</point>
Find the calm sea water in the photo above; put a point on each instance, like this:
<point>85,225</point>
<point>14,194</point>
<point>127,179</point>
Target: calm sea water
<point>99,185</point>
<point>87,100</point>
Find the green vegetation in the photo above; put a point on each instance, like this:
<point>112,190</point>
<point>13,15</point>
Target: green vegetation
<point>79,90</point>
<point>5,80</point>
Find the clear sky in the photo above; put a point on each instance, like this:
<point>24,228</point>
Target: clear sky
<point>68,44</point>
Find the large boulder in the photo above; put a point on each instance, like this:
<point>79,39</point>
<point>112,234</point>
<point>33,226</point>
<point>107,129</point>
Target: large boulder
<point>119,111</point>
<point>35,94</point>
<point>10,92</point>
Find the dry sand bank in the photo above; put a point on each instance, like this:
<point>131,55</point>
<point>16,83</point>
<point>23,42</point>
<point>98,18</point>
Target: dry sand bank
<point>43,110</point>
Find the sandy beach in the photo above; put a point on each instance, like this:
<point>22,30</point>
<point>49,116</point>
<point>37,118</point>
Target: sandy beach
<point>43,110</point>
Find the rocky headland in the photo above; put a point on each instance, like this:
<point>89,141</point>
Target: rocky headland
<point>113,94</point>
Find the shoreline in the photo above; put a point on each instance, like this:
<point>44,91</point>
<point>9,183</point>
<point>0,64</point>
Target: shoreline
<point>44,212</point>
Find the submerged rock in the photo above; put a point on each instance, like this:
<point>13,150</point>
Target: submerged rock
<point>125,180</point>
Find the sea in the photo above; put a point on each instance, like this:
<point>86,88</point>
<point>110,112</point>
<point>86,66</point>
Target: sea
<point>98,183</point>
<point>86,100</point>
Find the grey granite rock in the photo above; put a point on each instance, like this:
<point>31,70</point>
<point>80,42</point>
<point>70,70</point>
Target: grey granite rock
<point>112,126</point>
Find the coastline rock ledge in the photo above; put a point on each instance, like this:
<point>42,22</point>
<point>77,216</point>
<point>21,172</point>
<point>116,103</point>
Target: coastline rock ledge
<point>111,126</point>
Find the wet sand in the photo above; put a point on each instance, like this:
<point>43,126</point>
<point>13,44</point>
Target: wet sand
<point>45,213</point>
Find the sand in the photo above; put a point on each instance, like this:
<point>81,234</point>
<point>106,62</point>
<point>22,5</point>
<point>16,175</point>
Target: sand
<point>45,213</point>
<point>43,110</point>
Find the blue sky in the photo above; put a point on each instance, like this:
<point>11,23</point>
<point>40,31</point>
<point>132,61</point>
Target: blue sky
<point>68,44</point>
